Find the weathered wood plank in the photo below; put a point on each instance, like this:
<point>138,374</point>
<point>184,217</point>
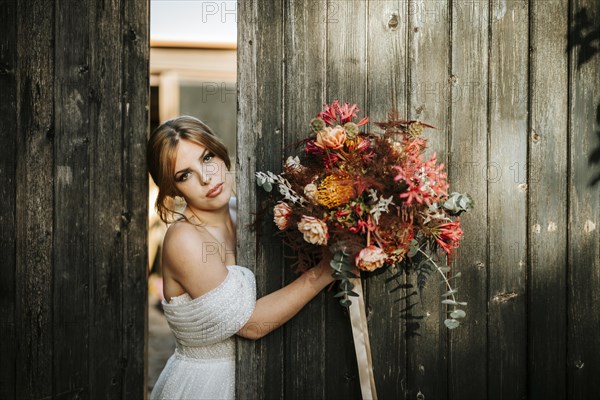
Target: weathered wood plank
<point>467,154</point>
<point>34,198</point>
<point>387,62</point>
<point>548,159</point>
<point>304,92</point>
<point>428,100</point>
<point>71,250</point>
<point>346,81</point>
<point>583,353</point>
<point>106,204</point>
<point>248,354</point>
<point>8,183</point>
<point>260,56</point>
<point>134,220</point>
<point>506,176</point>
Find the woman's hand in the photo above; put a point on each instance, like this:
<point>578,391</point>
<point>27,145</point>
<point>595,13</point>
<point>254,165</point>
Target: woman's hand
<point>321,273</point>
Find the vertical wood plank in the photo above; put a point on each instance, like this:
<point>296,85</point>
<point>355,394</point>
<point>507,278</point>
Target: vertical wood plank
<point>548,160</point>
<point>71,251</point>
<point>583,357</point>
<point>106,204</point>
<point>386,76</point>
<point>134,218</point>
<point>260,57</point>
<point>8,182</point>
<point>304,86</point>
<point>248,384</point>
<point>429,100</point>
<point>34,197</point>
<point>468,159</point>
<point>346,81</point>
<point>506,176</point>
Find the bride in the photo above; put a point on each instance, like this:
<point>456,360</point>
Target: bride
<point>209,299</point>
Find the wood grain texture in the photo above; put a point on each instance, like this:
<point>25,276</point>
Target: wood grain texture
<point>429,101</point>
<point>346,67</point>
<point>34,198</point>
<point>260,88</point>
<point>71,251</point>
<point>8,182</point>
<point>135,113</point>
<point>106,211</point>
<point>248,385</point>
<point>467,154</point>
<point>304,87</point>
<point>583,280</point>
<point>548,159</point>
<point>506,176</point>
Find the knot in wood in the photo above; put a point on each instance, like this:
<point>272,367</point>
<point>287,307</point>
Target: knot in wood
<point>393,22</point>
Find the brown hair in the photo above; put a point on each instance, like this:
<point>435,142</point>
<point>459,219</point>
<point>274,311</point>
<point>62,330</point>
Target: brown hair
<point>162,153</point>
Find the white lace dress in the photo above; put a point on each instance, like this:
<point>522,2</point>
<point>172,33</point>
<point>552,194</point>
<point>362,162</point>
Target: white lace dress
<point>203,365</point>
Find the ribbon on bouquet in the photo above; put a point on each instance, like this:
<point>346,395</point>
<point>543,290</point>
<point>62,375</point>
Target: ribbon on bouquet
<point>362,346</point>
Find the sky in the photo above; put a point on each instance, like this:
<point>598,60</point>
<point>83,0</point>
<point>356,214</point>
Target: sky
<point>196,21</point>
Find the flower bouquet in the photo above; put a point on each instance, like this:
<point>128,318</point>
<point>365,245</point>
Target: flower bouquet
<point>375,200</point>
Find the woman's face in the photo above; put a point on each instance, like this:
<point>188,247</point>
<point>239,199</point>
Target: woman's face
<point>201,177</point>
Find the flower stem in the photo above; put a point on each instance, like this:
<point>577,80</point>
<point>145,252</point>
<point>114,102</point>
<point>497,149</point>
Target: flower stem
<point>440,271</point>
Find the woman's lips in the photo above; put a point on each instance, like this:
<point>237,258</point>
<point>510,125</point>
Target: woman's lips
<point>215,191</point>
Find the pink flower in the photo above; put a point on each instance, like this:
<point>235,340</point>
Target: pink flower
<point>331,138</point>
<point>282,214</point>
<point>314,230</point>
<point>370,258</point>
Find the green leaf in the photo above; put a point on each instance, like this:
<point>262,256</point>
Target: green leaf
<point>414,248</point>
<point>458,314</point>
<point>345,302</point>
<point>450,292</point>
<point>451,323</point>
<point>454,303</point>
<point>267,186</point>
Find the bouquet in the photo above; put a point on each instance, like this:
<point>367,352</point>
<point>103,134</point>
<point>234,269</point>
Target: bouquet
<point>374,199</point>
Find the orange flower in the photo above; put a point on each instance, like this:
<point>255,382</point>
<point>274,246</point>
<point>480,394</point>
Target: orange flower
<point>331,138</point>
<point>335,190</point>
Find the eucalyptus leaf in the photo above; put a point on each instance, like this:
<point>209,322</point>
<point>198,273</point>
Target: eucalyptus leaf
<point>451,323</point>
<point>450,302</point>
<point>267,186</point>
<point>345,302</point>
<point>458,314</point>
<point>449,293</point>
<point>414,248</point>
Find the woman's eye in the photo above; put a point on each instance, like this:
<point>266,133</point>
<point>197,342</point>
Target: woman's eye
<point>208,157</point>
<point>183,177</point>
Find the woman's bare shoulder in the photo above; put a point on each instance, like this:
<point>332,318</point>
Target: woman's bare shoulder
<point>189,258</point>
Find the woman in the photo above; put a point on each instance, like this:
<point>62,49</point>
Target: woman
<point>208,298</point>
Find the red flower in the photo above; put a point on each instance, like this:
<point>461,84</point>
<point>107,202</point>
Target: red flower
<point>448,236</point>
<point>341,114</point>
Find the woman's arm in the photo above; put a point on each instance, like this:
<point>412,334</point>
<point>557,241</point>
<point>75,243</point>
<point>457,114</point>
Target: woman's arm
<point>276,308</point>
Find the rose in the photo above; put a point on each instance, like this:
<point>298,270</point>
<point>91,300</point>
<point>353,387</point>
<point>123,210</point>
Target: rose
<point>310,191</point>
<point>370,258</point>
<point>282,214</point>
<point>314,230</point>
<point>331,138</point>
